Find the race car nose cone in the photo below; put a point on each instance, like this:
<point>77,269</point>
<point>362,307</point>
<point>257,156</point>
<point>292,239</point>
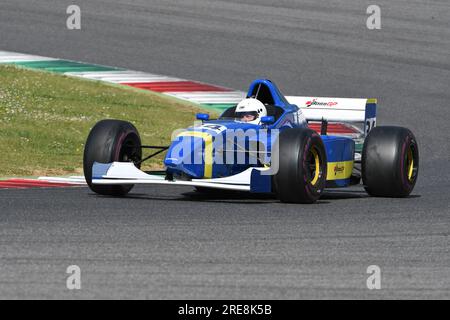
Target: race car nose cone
<point>186,155</point>
<point>172,162</point>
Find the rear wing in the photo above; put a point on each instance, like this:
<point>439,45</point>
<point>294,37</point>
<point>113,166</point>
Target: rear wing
<point>338,110</point>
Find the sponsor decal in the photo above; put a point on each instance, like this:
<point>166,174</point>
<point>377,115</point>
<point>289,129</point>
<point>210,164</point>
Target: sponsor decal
<point>338,169</point>
<point>314,102</point>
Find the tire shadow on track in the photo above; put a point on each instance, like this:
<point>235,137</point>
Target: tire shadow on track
<point>198,197</point>
<point>344,195</point>
<point>220,196</point>
<point>272,198</point>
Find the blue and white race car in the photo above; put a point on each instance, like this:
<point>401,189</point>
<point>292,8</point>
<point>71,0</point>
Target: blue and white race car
<point>293,147</point>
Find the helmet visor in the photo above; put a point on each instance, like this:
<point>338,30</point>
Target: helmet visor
<point>247,116</point>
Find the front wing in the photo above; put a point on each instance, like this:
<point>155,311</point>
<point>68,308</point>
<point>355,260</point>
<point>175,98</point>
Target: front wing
<point>122,173</point>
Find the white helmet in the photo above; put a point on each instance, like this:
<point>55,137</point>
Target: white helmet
<point>251,111</point>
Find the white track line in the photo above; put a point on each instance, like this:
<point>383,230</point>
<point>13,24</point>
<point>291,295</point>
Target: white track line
<point>210,97</point>
<point>72,180</point>
<point>124,77</point>
<point>8,57</point>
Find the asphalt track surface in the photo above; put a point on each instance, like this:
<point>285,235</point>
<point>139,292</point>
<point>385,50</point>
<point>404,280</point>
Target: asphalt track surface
<point>173,243</point>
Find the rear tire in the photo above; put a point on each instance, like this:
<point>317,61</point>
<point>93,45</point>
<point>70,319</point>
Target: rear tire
<point>302,170</point>
<point>390,162</point>
<point>111,141</point>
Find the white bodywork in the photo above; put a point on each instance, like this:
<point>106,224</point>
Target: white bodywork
<point>340,110</point>
<point>331,109</point>
<point>126,173</point>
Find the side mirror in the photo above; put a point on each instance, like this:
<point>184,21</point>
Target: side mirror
<point>267,120</point>
<point>202,116</point>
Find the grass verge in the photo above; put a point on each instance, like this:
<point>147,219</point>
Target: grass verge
<point>45,119</point>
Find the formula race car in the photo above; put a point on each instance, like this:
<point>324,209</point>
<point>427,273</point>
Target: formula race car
<point>293,147</point>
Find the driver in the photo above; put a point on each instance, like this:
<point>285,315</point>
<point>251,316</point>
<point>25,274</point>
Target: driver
<point>250,111</point>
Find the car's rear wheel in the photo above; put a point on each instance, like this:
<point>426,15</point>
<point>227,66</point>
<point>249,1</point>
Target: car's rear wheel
<point>390,162</point>
<point>302,168</point>
<point>111,141</point>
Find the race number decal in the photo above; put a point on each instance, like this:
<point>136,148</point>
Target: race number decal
<point>214,127</point>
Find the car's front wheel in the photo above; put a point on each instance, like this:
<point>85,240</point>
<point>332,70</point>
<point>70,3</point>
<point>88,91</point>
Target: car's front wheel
<point>111,141</point>
<point>302,166</point>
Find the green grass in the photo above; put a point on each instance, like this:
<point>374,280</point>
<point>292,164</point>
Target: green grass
<point>45,119</point>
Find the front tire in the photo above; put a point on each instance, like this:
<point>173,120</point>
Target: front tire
<point>390,162</point>
<point>111,141</point>
<point>302,169</point>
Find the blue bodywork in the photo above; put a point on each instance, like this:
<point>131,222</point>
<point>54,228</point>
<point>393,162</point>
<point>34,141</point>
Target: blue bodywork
<point>191,151</point>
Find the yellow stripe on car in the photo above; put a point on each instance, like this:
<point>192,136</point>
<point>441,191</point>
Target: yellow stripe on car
<point>339,170</point>
<point>208,153</point>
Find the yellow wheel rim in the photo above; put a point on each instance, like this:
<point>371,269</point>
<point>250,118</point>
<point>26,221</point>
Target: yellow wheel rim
<point>410,163</point>
<point>317,167</point>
